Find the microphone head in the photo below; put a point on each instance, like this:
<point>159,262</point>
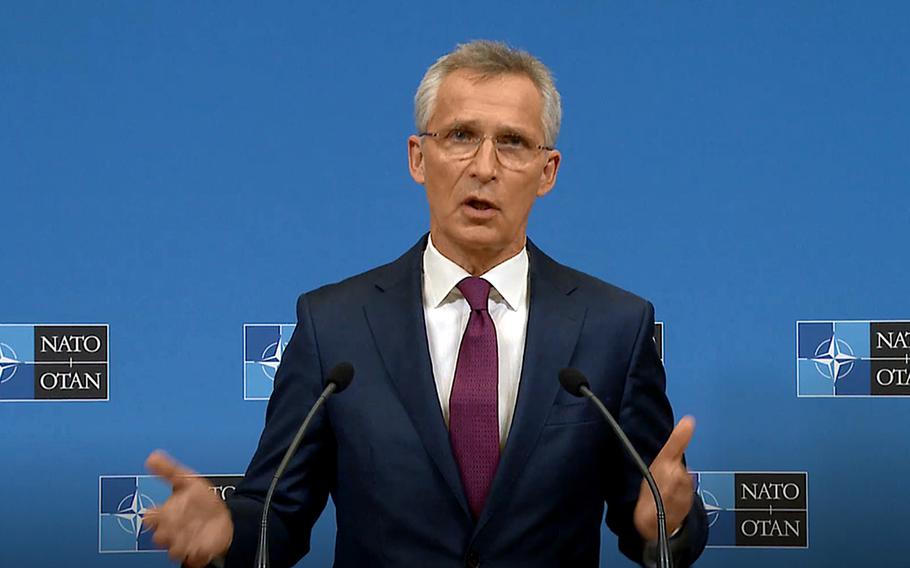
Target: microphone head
<point>572,380</point>
<point>341,374</point>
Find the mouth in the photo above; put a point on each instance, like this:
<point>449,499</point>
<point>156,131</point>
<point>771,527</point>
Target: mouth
<point>478,204</point>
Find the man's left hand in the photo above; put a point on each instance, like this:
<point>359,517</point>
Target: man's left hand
<point>672,479</point>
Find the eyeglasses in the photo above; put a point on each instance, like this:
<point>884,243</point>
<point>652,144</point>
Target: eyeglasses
<point>513,150</point>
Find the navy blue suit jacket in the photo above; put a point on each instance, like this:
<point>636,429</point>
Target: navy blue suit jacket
<point>381,448</point>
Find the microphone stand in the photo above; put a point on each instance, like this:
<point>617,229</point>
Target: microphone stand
<point>663,544</point>
<point>262,554</point>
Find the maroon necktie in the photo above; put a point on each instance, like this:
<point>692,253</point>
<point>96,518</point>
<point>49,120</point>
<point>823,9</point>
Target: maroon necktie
<point>474,404</point>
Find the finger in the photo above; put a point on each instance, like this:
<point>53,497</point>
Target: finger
<point>177,552</point>
<point>679,439</point>
<point>178,547</point>
<point>151,518</point>
<point>197,558</point>
<point>162,465</point>
<point>162,538</point>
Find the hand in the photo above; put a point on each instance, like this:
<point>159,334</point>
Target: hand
<point>673,481</point>
<point>194,524</point>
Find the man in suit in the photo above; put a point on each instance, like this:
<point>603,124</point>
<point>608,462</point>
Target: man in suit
<point>455,445</point>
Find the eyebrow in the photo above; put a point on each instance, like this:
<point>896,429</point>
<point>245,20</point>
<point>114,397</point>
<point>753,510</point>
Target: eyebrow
<point>500,130</point>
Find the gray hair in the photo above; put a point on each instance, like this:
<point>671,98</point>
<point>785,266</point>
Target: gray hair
<point>490,59</point>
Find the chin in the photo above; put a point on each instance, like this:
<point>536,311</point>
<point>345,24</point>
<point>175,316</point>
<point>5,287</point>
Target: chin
<point>480,237</point>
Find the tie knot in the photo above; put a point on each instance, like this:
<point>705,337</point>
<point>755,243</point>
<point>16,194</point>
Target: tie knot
<point>476,291</point>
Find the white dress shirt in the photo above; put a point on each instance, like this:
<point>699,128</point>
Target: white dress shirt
<point>446,313</point>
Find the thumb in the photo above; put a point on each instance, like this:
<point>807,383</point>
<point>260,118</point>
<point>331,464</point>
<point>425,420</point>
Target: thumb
<point>679,440</point>
<point>165,467</point>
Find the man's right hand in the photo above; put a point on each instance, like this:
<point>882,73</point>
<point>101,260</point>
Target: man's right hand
<point>194,524</point>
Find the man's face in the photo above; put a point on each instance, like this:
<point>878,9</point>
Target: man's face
<point>476,204</point>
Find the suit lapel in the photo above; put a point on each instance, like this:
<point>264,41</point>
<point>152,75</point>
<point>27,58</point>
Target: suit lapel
<point>554,323</point>
<point>396,320</point>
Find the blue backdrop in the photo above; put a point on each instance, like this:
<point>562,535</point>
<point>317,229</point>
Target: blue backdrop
<point>169,169</point>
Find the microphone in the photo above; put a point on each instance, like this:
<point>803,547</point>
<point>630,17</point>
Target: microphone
<point>576,384</point>
<point>338,379</point>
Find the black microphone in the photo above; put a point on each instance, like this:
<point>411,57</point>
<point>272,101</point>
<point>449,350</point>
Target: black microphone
<point>338,379</point>
<point>576,384</point>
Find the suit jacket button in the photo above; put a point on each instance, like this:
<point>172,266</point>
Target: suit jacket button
<point>472,560</point>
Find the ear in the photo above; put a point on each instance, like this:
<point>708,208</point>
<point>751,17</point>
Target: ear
<point>415,159</point>
<point>548,174</point>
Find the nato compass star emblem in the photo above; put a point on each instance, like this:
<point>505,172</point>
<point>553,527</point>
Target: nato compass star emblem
<point>8,363</point>
<point>712,506</point>
<point>834,358</point>
<point>264,346</point>
<point>131,511</point>
<point>271,359</point>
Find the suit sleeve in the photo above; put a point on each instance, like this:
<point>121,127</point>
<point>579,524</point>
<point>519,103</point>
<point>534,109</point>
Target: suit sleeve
<point>302,493</point>
<point>647,419</point>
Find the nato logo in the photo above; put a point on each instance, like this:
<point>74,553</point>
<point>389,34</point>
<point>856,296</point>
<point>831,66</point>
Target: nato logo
<point>263,345</point>
<point>852,358</point>
<point>659,338</point>
<point>124,500</point>
<point>755,509</point>
<point>40,362</point>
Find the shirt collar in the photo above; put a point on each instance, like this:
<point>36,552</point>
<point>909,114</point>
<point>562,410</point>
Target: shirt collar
<point>508,278</point>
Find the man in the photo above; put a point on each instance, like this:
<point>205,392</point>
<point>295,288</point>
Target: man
<point>455,445</point>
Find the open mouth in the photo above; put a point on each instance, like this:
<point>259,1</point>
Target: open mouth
<point>479,204</point>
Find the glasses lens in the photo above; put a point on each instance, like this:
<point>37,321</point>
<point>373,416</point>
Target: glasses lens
<point>513,153</point>
<point>460,148</point>
<point>514,157</point>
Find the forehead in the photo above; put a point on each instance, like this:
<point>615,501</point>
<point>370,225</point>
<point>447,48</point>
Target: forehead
<point>497,101</point>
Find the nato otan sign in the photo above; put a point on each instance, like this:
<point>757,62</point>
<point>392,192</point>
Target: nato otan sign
<point>756,509</point>
<point>42,362</point>
<point>852,358</point>
<point>124,500</point>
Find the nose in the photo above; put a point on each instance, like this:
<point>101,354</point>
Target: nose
<point>485,163</point>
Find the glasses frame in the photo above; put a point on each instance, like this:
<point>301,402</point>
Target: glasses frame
<point>435,135</point>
